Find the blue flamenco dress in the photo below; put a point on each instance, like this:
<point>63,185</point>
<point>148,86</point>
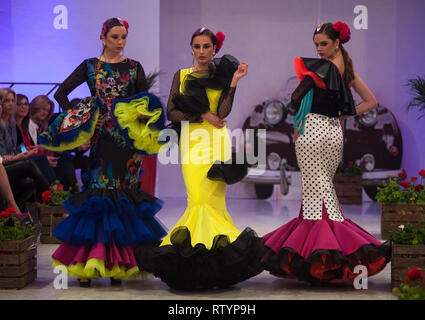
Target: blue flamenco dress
<point>112,215</point>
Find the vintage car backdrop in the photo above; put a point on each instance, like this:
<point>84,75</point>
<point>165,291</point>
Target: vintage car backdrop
<point>373,138</point>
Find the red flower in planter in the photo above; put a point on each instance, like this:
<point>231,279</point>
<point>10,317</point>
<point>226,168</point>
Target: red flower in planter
<point>20,215</point>
<point>405,184</point>
<point>11,210</point>
<point>422,173</point>
<point>46,196</point>
<point>4,215</point>
<point>402,175</point>
<point>8,212</point>
<point>419,187</point>
<point>58,187</point>
<point>350,163</point>
<point>413,179</point>
<point>413,274</point>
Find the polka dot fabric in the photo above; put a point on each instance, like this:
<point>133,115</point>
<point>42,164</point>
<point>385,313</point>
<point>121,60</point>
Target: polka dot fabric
<point>319,151</point>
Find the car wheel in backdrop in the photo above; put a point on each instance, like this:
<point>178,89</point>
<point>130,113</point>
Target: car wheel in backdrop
<point>263,191</point>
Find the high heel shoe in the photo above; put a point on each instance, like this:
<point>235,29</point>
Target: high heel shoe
<point>84,283</point>
<point>115,282</point>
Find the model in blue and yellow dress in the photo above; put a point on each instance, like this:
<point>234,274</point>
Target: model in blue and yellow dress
<point>112,215</point>
<point>204,249</point>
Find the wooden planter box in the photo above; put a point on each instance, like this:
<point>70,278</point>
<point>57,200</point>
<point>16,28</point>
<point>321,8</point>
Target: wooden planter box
<point>18,262</point>
<point>49,217</point>
<point>348,189</point>
<point>405,257</point>
<point>396,214</point>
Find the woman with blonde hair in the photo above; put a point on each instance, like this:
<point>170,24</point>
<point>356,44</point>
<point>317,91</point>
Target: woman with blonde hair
<point>22,171</point>
<point>6,193</point>
<point>41,109</point>
<point>8,133</point>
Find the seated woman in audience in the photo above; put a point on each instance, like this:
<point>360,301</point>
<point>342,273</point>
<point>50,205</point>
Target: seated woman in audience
<point>24,174</point>
<point>40,113</point>
<point>23,138</point>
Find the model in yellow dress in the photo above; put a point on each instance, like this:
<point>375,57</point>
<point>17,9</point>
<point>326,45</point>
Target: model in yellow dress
<point>200,145</point>
<point>204,249</point>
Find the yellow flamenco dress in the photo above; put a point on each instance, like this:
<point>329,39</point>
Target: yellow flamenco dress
<point>202,144</point>
<point>204,249</point>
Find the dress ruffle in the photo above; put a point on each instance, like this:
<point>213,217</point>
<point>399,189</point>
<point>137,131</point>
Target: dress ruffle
<point>185,267</point>
<point>302,71</point>
<point>194,99</point>
<point>122,217</point>
<point>327,76</point>
<point>230,171</point>
<point>73,127</point>
<point>142,135</point>
<point>323,250</point>
<point>97,261</point>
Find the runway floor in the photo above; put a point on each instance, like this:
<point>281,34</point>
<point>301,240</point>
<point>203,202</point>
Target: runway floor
<point>262,216</point>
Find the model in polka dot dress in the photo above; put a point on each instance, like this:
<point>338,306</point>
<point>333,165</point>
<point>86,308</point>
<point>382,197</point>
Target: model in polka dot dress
<point>321,245</point>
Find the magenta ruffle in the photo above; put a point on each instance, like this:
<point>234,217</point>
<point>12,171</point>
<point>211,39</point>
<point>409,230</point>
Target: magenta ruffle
<point>307,236</point>
<point>69,254</point>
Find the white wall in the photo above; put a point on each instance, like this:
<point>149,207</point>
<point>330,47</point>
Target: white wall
<point>33,50</point>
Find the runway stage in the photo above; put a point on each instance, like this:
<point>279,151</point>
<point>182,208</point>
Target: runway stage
<point>261,215</point>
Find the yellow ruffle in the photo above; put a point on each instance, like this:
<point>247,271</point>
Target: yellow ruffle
<point>95,268</point>
<point>144,138</point>
<point>83,137</point>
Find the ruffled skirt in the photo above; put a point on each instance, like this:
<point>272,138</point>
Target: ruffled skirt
<point>323,250</point>
<point>102,230</point>
<point>204,250</point>
<point>185,267</point>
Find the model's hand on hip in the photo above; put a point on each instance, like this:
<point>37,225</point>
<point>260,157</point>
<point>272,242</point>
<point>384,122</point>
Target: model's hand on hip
<point>213,119</point>
<point>296,135</point>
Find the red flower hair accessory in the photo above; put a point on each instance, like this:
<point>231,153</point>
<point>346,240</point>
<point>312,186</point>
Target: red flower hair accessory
<point>126,25</point>
<point>220,39</point>
<point>113,22</point>
<point>344,31</point>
